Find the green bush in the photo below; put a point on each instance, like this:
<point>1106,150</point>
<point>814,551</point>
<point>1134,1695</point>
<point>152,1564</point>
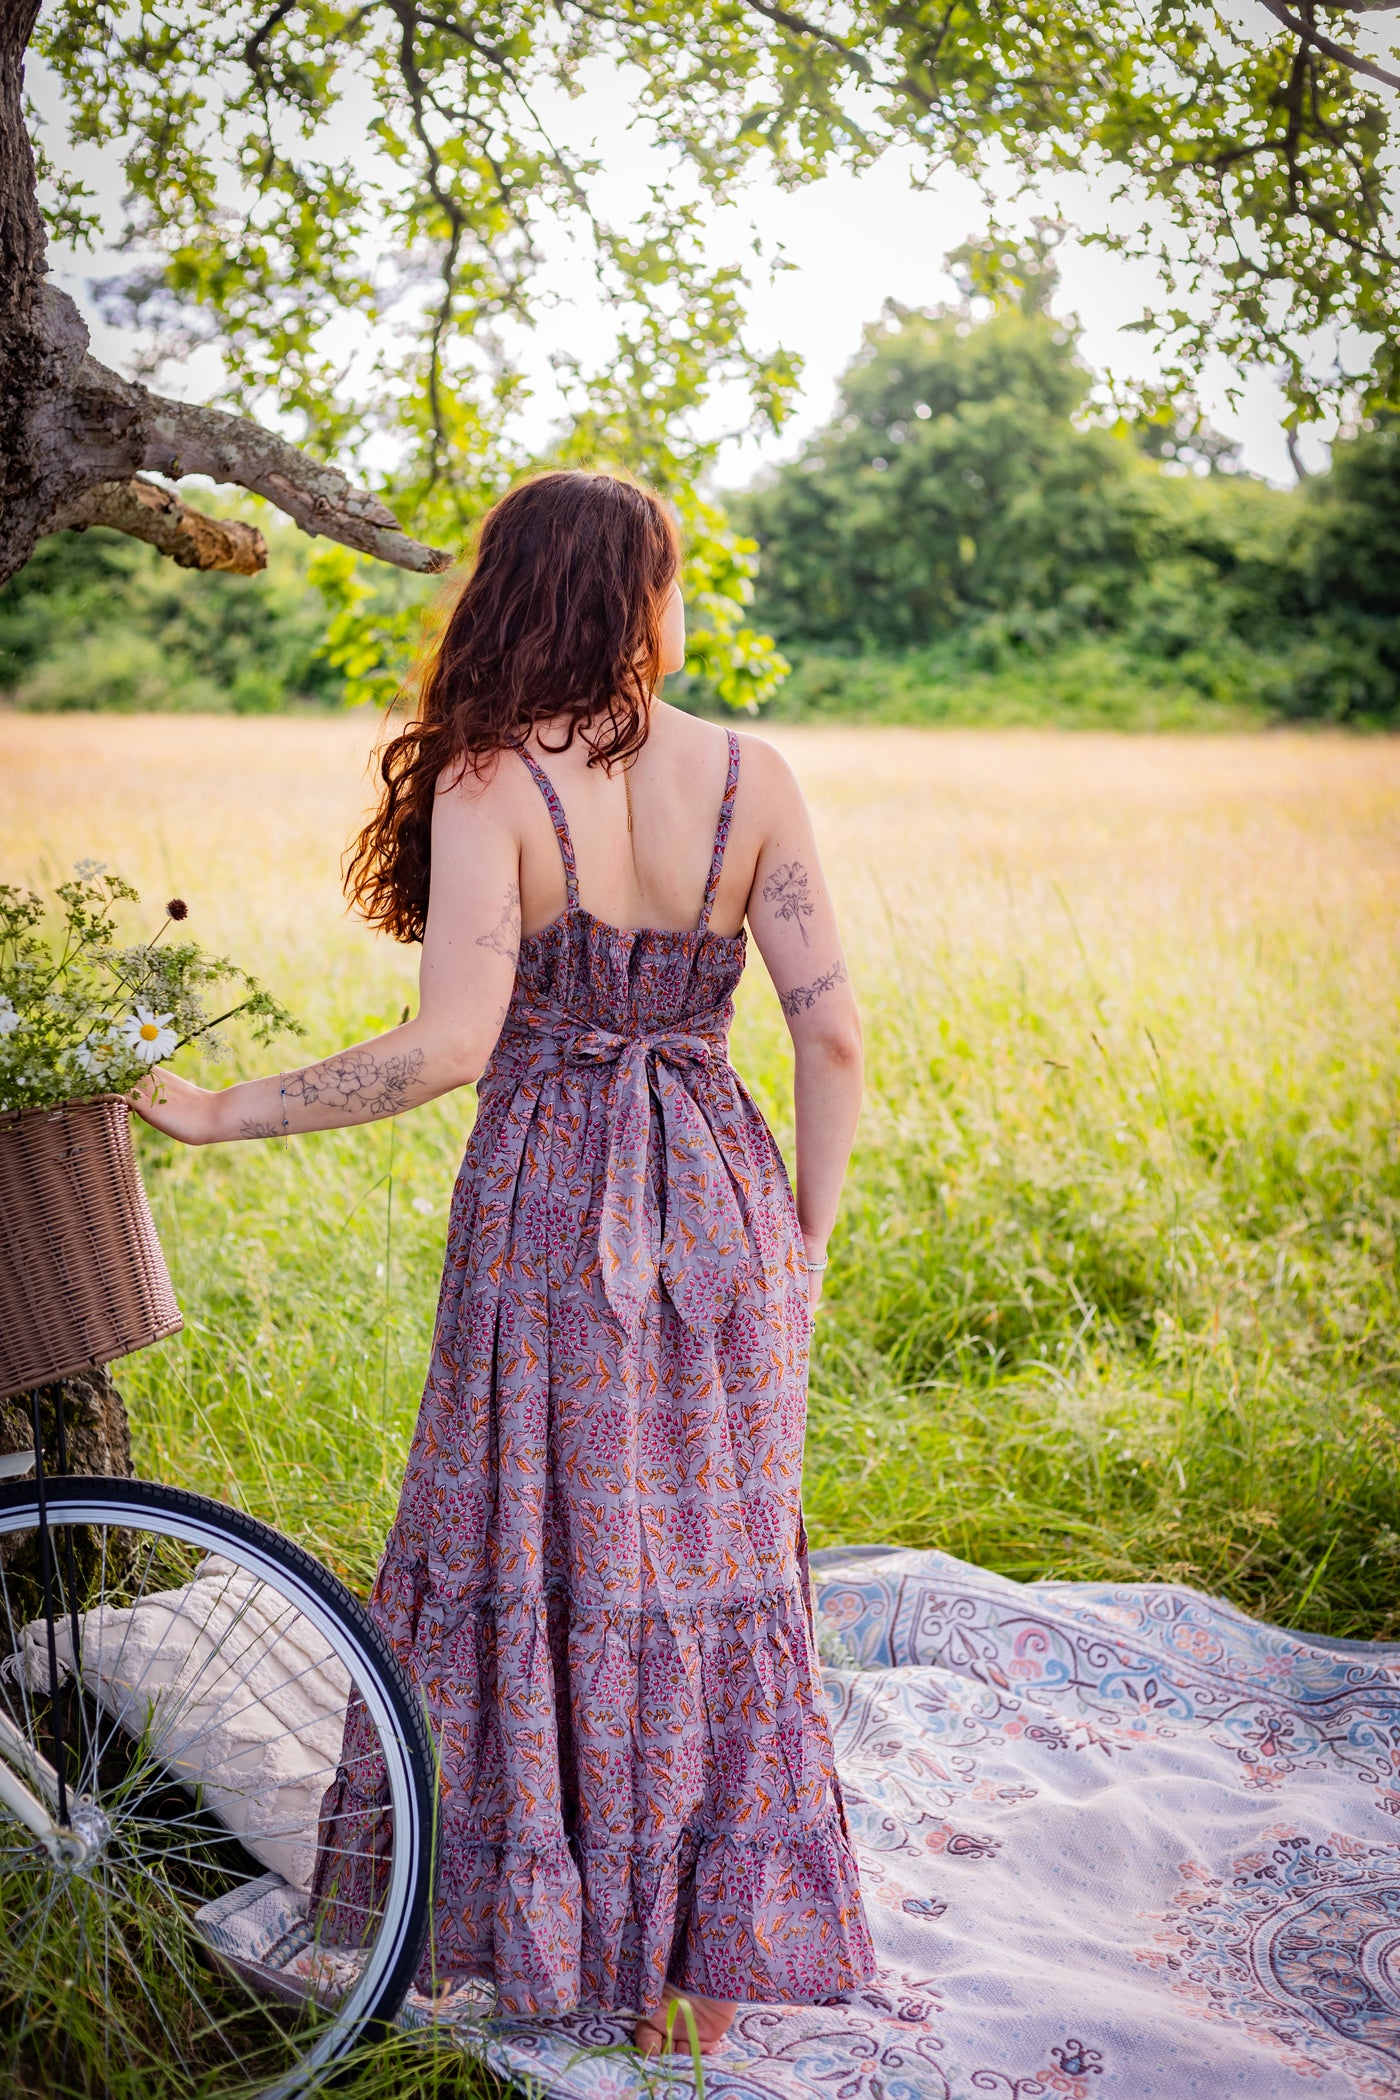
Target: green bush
<point>97,620</point>
<point>960,544</point>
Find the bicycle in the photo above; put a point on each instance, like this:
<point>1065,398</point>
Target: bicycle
<point>171,1672</point>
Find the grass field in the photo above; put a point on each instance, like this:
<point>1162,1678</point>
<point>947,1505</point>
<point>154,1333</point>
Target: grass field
<point>1115,1288</point>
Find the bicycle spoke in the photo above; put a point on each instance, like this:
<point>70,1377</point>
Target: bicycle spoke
<point>106,1961</point>
<point>92,1768</point>
<point>101,1751</point>
<point>182,1966</point>
<point>186,1701</point>
<point>19,1654</point>
<point>183,1693</point>
<point>34,1964</point>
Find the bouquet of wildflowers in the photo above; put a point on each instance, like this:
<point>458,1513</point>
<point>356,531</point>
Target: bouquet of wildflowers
<point>80,1015</point>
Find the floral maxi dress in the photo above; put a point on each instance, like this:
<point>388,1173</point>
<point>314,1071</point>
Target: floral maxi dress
<point>597,1574</point>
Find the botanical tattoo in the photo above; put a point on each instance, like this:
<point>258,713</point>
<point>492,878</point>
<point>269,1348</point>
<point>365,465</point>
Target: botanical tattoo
<point>260,1130</point>
<point>359,1083</point>
<point>787,890</point>
<point>803,997</point>
<point>504,937</point>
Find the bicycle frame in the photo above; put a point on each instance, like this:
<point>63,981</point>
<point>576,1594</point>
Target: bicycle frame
<point>65,1845</point>
<point>42,1805</point>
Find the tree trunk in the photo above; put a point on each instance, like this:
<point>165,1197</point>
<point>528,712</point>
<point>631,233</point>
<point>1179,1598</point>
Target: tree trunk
<point>24,366</point>
<point>99,1442</point>
<point>75,437</point>
<point>95,1418</point>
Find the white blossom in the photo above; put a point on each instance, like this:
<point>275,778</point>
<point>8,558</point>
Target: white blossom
<point>149,1036</point>
<point>9,1019</point>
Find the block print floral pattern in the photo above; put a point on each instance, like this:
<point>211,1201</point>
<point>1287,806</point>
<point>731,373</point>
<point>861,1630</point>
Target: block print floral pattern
<point>596,1578</point>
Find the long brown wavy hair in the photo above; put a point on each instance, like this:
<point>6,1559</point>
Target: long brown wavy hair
<point>559,620</point>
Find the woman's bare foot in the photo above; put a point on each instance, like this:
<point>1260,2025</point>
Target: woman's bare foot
<point>666,2032</point>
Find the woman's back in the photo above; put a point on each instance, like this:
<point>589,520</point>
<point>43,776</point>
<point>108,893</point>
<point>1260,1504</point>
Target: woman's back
<point>643,836</point>
<point>598,1568</point>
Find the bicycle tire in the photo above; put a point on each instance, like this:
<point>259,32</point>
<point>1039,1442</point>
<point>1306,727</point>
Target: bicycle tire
<point>197,1522</point>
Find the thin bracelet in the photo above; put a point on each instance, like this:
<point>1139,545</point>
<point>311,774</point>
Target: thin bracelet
<point>284,1108</point>
<point>817,1264</point>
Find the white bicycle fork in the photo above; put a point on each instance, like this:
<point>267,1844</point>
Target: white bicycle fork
<point>35,1804</point>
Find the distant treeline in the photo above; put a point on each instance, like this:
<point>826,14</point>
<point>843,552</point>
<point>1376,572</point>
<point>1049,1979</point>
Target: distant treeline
<point>964,541</point>
<point>962,524</point>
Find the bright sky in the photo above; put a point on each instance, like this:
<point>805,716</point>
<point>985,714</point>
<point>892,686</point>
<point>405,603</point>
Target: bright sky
<point>853,241</point>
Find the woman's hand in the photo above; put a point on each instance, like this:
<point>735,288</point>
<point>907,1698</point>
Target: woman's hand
<point>172,1104</point>
<point>465,980</point>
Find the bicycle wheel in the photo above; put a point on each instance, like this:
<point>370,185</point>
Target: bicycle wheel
<point>174,1920</point>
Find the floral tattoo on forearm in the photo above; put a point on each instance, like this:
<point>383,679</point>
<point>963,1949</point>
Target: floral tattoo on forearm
<point>504,937</point>
<point>789,892</point>
<point>803,997</point>
<point>357,1083</point>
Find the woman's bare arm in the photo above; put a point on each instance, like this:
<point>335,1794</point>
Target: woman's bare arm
<point>465,979</point>
<point>794,924</point>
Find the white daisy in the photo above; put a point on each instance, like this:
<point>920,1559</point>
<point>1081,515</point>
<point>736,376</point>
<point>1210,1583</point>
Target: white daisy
<point>90,1057</point>
<point>9,1019</point>
<point>149,1036</point>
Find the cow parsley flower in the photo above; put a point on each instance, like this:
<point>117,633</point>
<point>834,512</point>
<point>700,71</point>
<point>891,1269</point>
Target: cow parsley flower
<point>148,1035</point>
<point>91,1056</point>
<point>9,1019</point>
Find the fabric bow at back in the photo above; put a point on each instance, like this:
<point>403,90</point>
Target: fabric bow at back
<point>695,1239</point>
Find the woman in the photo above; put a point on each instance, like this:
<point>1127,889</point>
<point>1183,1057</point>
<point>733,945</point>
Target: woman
<point>597,1574</point>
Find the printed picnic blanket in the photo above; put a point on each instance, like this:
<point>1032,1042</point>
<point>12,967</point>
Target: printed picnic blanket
<point>1113,1840</point>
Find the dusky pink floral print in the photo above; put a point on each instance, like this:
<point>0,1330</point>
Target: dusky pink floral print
<point>597,1574</point>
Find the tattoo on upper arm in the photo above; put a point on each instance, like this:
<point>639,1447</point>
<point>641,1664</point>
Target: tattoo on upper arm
<point>803,997</point>
<point>260,1130</point>
<point>789,892</point>
<point>359,1082</point>
<point>504,937</point>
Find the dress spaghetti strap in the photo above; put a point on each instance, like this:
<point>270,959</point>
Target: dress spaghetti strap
<point>561,827</point>
<point>726,817</point>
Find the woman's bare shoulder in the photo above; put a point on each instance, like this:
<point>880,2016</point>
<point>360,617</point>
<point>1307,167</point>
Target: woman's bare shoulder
<point>763,771</point>
<point>486,789</point>
<point>769,794</point>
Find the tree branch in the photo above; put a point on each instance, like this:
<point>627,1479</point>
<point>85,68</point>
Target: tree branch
<point>1352,60</point>
<point>190,538</point>
<point>798,26</point>
<point>101,428</point>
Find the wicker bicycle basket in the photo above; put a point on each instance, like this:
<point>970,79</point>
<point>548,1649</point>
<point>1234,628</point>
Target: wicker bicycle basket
<point>82,1275</point>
